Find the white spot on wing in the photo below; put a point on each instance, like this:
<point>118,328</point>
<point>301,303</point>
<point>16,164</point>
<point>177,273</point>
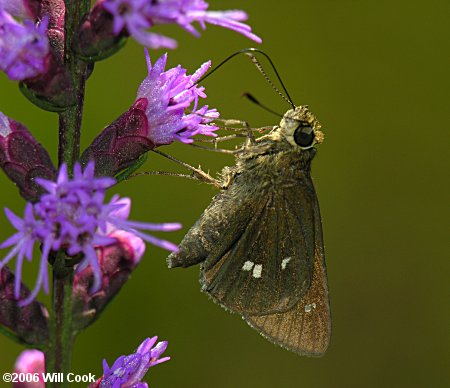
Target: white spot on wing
<point>248,265</point>
<point>257,271</point>
<point>309,307</point>
<point>285,261</point>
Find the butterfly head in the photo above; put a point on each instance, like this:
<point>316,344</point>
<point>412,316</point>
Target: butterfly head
<point>300,128</point>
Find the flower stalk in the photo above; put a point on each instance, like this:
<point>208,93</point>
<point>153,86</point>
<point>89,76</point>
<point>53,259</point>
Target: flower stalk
<point>70,119</point>
<point>58,356</point>
<point>92,246</point>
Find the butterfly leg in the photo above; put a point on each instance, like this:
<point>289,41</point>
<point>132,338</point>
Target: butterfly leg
<point>217,140</point>
<point>221,138</point>
<point>246,128</point>
<point>215,149</point>
<point>231,137</point>
<point>166,173</point>
<point>197,173</point>
<point>230,125</point>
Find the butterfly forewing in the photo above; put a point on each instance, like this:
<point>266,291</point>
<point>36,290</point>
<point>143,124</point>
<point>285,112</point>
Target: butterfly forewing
<point>306,328</point>
<point>269,268</point>
<point>218,228</point>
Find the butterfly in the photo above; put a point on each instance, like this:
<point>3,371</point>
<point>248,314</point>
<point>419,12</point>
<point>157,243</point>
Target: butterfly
<point>259,242</point>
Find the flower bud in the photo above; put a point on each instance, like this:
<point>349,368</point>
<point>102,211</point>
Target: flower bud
<point>29,323</point>
<point>96,38</point>
<point>23,158</point>
<point>51,89</point>
<point>117,262</point>
<point>32,51</point>
<point>30,361</point>
<point>121,143</point>
<point>54,10</point>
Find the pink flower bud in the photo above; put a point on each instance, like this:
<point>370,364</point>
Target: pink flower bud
<point>30,361</point>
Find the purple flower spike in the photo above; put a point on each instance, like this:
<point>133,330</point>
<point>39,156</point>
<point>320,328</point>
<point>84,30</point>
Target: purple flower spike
<point>73,215</point>
<point>128,371</point>
<point>168,94</point>
<point>136,16</point>
<point>24,48</point>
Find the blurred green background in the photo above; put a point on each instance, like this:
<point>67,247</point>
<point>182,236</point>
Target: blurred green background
<point>376,74</point>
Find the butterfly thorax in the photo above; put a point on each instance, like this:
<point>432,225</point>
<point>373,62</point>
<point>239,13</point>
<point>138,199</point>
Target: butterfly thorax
<point>276,158</point>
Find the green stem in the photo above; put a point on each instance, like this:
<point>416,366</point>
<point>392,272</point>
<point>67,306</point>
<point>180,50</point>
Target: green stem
<point>58,356</point>
<point>59,353</point>
<point>70,119</point>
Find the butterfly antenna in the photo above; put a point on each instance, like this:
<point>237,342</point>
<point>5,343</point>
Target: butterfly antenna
<point>269,81</point>
<point>252,98</point>
<point>248,51</point>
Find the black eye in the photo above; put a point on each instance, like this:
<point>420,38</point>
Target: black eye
<point>304,135</point>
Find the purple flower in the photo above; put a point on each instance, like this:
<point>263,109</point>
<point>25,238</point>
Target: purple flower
<point>128,371</point>
<point>160,115</point>
<point>137,16</point>
<point>24,48</point>
<point>73,215</point>
<point>168,94</point>
<point>19,8</point>
<point>30,361</point>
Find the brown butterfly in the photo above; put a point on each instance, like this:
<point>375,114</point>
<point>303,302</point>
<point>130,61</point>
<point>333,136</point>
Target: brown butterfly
<point>260,243</point>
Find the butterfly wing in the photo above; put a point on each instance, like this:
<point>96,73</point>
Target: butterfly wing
<point>269,267</point>
<point>306,327</point>
<point>217,229</point>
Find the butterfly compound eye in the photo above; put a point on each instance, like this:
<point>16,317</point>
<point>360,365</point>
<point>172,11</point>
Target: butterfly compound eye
<point>304,135</point>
